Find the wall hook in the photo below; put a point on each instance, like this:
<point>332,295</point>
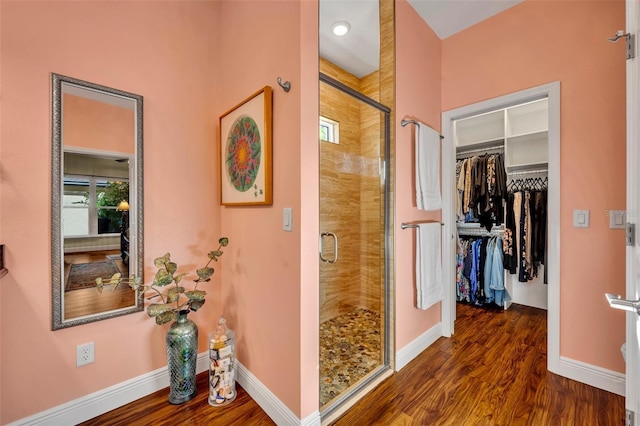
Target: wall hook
<point>286,86</point>
<point>631,48</point>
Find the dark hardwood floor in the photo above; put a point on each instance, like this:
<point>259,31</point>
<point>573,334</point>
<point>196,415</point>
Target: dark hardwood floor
<point>492,372</point>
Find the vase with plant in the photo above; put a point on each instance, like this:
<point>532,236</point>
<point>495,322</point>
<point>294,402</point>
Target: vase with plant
<point>175,303</point>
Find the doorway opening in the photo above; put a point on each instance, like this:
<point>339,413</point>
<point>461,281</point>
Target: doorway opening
<point>521,162</point>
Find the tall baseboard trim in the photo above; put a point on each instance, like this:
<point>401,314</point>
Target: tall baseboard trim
<point>276,409</point>
<point>405,355</point>
<point>601,378</point>
<point>102,401</point>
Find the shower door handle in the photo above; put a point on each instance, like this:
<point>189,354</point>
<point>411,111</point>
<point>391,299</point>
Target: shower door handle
<point>335,247</point>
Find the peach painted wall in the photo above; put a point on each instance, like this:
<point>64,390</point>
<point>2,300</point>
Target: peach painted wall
<point>539,42</point>
<point>164,51</point>
<point>265,293</point>
<point>418,96</point>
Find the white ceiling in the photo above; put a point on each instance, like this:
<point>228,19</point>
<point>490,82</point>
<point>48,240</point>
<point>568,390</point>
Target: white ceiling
<point>358,52</point>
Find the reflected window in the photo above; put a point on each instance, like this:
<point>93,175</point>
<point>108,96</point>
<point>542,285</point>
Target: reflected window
<point>90,205</point>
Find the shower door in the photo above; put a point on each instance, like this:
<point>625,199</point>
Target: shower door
<point>354,300</point>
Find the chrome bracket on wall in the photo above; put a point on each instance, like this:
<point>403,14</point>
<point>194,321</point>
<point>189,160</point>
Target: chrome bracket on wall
<point>631,45</point>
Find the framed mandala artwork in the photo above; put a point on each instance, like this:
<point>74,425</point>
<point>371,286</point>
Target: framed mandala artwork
<point>245,152</point>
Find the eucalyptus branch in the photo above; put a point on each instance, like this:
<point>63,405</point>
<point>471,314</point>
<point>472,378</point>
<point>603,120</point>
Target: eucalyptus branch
<point>166,275</point>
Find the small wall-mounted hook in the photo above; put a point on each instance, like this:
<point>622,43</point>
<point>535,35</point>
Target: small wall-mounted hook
<point>631,47</point>
<point>286,86</point>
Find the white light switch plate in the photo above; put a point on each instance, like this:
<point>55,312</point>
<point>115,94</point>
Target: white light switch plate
<point>617,219</point>
<point>581,218</point>
<point>287,219</point>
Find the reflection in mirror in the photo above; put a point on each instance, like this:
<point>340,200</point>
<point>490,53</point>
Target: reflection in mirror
<point>96,215</point>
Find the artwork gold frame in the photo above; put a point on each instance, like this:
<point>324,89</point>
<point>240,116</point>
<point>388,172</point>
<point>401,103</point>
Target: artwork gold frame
<point>246,152</point>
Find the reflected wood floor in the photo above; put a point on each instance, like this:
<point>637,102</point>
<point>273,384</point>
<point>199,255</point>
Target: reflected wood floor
<point>88,301</point>
<point>492,372</point>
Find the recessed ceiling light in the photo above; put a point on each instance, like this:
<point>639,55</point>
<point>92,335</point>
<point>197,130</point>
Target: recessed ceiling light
<point>340,28</point>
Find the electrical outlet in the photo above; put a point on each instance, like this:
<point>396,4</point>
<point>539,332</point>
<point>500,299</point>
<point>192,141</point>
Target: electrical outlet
<point>84,354</point>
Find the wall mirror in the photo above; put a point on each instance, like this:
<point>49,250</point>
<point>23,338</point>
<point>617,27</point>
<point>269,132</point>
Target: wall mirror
<point>96,200</point>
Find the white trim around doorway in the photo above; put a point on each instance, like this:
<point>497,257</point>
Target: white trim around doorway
<point>552,92</point>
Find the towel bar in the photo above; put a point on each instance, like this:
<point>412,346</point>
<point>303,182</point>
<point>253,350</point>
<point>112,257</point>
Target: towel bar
<point>415,225</point>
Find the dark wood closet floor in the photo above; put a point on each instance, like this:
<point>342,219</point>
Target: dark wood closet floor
<point>492,372</point>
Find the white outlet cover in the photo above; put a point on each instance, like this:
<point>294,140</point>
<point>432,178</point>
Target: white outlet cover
<point>85,354</point>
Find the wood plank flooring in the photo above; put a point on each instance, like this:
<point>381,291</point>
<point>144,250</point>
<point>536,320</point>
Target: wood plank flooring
<point>88,301</point>
<point>492,372</point>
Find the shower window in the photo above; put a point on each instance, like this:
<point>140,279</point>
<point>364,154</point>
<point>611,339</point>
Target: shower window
<point>329,130</point>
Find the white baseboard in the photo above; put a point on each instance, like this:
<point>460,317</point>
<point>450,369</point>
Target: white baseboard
<point>405,355</point>
<point>598,377</point>
<point>102,401</point>
<point>279,413</point>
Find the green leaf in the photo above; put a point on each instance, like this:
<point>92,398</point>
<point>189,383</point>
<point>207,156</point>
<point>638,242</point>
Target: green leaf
<point>194,295</point>
<point>166,317</point>
<point>174,294</point>
<point>162,278</point>
<point>215,254</point>
<point>178,278</point>
<point>171,267</point>
<point>155,309</point>
<point>160,261</point>
<point>224,241</point>
<point>196,304</point>
<point>204,273</point>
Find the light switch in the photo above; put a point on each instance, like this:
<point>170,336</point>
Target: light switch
<point>287,219</point>
<point>581,218</point>
<point>617,219</point>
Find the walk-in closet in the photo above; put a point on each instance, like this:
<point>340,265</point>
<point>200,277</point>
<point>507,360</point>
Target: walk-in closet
<point>501,181</point>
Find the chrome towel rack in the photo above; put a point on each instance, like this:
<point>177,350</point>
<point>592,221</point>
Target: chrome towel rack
<point>406,121</point>
<point>406,225</point>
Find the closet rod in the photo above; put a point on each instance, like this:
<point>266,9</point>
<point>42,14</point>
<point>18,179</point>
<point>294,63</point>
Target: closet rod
<point>405,121</point>
<point>528,172</point>
<point>405,225</point>
<point>479,232</point>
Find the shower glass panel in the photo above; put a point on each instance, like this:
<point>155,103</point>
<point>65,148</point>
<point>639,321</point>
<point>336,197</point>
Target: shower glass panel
<point>352,250</point>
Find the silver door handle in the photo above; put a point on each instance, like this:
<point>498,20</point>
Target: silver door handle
<point>617,302</point>
<point>335,247</point>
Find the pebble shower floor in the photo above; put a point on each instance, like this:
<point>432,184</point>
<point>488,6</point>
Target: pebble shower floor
<point>349,350</point>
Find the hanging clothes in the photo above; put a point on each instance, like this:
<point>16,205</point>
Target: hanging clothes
<point>481,188</point>
<point>526,228</point>
<point>480,271</point>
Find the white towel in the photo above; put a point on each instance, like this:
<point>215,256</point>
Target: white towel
<point>428,265</point>
<point>427,168</point>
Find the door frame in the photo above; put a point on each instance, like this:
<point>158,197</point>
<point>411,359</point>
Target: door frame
<point>632,381</point>
<point>448,311</point>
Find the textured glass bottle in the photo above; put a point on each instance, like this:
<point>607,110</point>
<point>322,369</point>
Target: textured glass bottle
<point>222,367</point>
<point>182,354</point>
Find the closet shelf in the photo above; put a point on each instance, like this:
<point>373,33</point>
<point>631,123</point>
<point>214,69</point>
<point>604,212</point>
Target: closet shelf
<point>527,168</point>
<point>480,146</point>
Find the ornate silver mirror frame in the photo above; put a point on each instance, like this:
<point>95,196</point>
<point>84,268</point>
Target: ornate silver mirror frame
<point>60,86</point>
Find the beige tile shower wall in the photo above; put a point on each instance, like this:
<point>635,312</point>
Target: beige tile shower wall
<point>352,176</point>
<point>340,197</point>
<point>371,214</point>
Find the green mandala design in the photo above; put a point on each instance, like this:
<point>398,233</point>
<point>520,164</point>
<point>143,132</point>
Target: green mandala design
<point>243,153</point>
